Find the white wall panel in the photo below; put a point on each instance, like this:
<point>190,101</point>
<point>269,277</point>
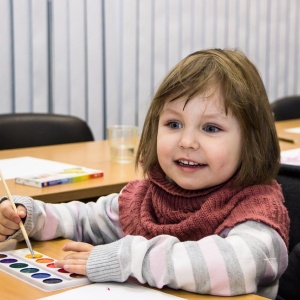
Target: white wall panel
<point>40,52</point>
<point>174,33</point>
<point>113,47</point>
<point>128,50</point>
<point>102,60</point>
<point>6,70</point>
<point>60,58</point>
<point>145,37</point>
<point>78,58</point>
<point>294,60</point>
<point>22,40</point>
<point>96,116</point>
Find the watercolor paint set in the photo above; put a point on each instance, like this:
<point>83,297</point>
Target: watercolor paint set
<point>38,271</point>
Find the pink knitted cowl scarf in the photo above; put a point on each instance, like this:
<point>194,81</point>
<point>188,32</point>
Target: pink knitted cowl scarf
<point>156,206</point>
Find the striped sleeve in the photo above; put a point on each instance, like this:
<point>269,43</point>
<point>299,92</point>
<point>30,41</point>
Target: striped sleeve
<point>249,258</point>
<point>93,222</point>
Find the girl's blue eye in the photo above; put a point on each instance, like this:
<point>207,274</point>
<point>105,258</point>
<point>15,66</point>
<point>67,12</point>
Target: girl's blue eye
<point>211,128</point>
<point>174,125</point>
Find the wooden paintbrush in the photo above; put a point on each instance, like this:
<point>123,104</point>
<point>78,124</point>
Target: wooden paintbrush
<point>15,209</point>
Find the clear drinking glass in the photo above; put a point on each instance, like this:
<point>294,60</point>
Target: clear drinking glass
<point>122,140</point>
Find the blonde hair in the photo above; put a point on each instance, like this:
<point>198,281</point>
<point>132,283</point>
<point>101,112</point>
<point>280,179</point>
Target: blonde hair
<point>244,95</point>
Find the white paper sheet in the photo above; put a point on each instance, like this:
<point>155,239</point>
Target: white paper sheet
<point>290,157</point>
<point>26,165</point>
<point>293,130</point>
<point>112,291</point>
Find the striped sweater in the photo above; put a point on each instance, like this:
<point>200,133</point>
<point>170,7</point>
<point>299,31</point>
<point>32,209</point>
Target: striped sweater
<point>248,258</point>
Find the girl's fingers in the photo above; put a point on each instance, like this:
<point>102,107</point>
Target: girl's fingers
<point>2,237</point>
<point>75,262</point>
<point>21,211</point>
<point>78,269</point>
<point>8,230</point>
<point>77,247</point>
<point>77,256</point>
<point>77,266</point>
<point>8,212</point>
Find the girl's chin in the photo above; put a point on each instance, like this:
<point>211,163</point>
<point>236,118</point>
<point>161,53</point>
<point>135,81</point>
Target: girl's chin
<point>188,186</point>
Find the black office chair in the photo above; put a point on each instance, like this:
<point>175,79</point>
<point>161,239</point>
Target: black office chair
<point>37,129</point>
<point>286,108</point>
<point>289,283</point>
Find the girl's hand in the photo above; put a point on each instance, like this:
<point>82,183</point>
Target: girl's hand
<point>76,261</point>
<point>9,219</point>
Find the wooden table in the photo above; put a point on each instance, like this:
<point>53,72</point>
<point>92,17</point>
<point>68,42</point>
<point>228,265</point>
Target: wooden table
<point>281,126</point>
<point>93,155</point>
<point>14,289</point>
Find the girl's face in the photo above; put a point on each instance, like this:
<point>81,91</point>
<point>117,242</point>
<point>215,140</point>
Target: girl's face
<point>198,145</point>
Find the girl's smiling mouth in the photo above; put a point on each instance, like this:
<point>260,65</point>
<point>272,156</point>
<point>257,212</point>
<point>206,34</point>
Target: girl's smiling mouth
<point>188,163</point>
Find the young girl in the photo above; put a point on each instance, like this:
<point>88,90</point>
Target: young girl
<point>208,217</point>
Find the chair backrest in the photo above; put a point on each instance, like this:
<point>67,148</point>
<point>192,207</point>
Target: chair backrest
<point>286,108</point>
<point>37,129</point>
<point>289,178</point>
<point>289,283</point>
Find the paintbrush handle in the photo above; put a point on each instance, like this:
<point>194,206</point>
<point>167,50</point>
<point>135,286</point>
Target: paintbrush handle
<point>15,209</point>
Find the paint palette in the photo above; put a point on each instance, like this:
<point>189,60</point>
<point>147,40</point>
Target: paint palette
<point>39,271</point>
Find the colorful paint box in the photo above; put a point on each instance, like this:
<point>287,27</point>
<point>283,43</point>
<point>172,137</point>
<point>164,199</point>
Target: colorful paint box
<point>39,271</point>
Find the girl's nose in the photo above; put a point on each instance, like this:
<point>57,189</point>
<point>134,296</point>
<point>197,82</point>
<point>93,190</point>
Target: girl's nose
<point>189,140</point>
